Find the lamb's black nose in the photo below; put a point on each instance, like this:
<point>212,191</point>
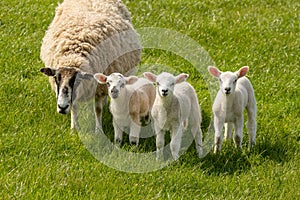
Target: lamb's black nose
<point>165,92</point>
<point>227,90</point>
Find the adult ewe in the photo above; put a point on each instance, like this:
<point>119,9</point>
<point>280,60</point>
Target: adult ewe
<point>86,37</point>
<point>236,93</point>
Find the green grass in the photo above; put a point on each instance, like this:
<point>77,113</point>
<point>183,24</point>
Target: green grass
<point>40,159</point>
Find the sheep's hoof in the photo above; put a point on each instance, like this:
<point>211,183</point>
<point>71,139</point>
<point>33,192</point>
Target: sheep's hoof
<point>118,141</point>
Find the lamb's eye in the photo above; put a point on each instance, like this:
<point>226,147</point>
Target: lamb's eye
<point>157,83</point>
<point>108,84</point>
<point>172,84</point>
<point>220,81</point>
<point>235,81</point>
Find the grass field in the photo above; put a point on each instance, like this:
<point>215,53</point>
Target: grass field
<point>40,159</point>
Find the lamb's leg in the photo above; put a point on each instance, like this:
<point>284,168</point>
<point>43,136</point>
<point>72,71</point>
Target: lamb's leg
<point>135,128</point>
<point>176,136</point>
<point>160,143</point>
<point>251,126</point>
<point>228,130</point>
<point>218,125</point>
<point>238,132</point>
<point>197,133</point>
<point>118,134</point>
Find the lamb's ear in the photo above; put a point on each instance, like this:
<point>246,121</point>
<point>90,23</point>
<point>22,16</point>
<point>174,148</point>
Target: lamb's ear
<point>100,78</point>
<point>214,71</point>
<point>151,77</point>
<point>242,71</point>
<point>131,80</point>
<point>181,77</point>
<point>48,71</point>
<point>84,75</point>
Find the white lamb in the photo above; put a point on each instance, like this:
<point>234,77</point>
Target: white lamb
<point>236,93</point>
<point>131,103</point>
<point>86,37</point>
<point>175,109</point>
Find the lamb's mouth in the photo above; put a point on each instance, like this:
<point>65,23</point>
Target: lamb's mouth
<point>114,95</point>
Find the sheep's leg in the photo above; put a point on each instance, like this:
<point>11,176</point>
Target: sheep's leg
<point>218,125</point>
<point>228,130</point>
<point>197,133</point>
<point>160,143</point>
<point>135,129</point>
<point>100,99</point>
<point>251,126</point>
<point>74,118</point>
<point>176,141</point>
<point>118,134</point>
<point>238,132</point>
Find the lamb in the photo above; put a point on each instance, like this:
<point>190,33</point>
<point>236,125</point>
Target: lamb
<point>175,109</point>
<point>131,102</point>
<point>235,94</point>
<point>86,37</point>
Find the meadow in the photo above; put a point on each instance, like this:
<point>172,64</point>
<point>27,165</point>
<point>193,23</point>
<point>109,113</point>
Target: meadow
<point>41,159</point>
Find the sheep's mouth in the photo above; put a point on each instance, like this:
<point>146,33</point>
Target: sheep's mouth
<point>227,93</point>
<point>114,95</point>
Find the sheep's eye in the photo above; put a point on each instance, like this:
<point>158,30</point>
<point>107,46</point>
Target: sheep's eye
<point>220,81</point>
<point>235,81</point>
<point>108,84</point>
<point>157,83</point>
<point>172,84</point>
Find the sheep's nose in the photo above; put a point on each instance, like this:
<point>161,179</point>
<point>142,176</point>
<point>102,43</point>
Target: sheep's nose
<point>227,90</point>
<point>114,90</point>
<point>164,92</point>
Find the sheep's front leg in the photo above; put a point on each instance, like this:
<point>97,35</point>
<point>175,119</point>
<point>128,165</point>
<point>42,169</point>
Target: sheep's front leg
<point>176,141</point>
<point>218,125</point>
<point>118,134</point>
<point>238,133</point>
<point>100,99</point>
<point>228,130</point>
<point>160,143</point>
<point>74,117</point>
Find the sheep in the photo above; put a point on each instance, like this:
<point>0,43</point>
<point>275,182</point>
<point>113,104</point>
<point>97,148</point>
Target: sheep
<point>131,100</point>
<point>86,37</point>
<point>235,94</point>
<point>175,109</point>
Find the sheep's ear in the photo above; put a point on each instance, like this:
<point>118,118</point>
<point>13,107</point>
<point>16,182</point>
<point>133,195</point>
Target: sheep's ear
<point>181,77</point>
<point>100,78</point>
<point>242,71</point>
<point>214,71</point>
<point>131,79</point>
<point>84,75</point>
<point>151,77</point>
<point>48,71</point>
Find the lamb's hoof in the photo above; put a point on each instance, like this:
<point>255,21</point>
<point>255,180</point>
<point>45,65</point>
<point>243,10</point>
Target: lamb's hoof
<point>133,143</point>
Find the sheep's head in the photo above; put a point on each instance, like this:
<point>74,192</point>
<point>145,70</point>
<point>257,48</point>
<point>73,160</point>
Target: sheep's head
<point>66,81</point>
<point>228,79</point>
<point>115,82</point>
<point>165,82</point>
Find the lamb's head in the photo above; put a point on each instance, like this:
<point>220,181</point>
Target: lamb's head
<point>115,82</point>
<point>228,79</point>
<point>66,81</point>
<point>165,82</point>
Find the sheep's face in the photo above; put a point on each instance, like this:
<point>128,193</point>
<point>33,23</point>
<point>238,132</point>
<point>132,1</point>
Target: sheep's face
<point>66,80</point>
<point>165,82</point>
<point>228,80</point>
<point>115,82</point>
